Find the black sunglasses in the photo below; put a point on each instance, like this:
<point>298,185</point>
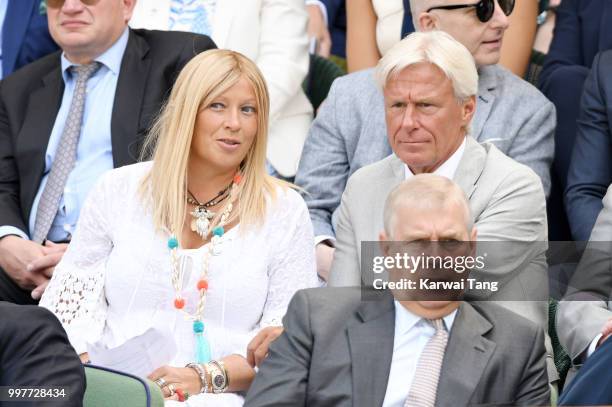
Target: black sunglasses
<point>484,8</point>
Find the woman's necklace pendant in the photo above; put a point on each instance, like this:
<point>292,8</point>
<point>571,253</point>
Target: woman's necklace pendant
<point>201,221</point>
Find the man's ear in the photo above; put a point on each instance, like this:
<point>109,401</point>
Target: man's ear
<point>426,22</point>
<point>473,236</point>
<point>384,243</point>
<point>469,107</point>
<point>128,9</point>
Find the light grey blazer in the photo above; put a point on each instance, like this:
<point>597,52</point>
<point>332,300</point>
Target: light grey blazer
<point>580,321</point>
<point>336,350</point>
<point>507,204</point>
<point>349,132</point>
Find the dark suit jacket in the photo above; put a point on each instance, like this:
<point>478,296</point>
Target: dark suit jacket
<point>592,386</point>
<point>25,36</point>
<point>336,350</point>
<point>31,98</point>
<point>582,29</point>
<point>34,351</point>
<point>590,171</point>
<point>336,24</point>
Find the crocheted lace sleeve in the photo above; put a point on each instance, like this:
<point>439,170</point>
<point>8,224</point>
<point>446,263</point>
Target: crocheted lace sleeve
<point>75,293</point>
<point>293,264</point>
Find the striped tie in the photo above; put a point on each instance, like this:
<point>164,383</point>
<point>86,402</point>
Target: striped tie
<point>65,157</point>
<point>425,384</point>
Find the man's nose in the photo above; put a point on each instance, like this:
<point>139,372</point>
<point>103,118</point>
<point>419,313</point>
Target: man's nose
<point>409,118</point>
<point>499,20</point>
<point>72,6</point>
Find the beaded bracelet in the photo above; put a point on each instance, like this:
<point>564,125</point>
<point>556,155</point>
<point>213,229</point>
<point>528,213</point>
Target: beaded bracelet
<point>202,374</point>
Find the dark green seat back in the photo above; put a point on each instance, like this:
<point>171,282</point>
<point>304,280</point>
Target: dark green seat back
<point>109,388</point>
<point>321,75</point>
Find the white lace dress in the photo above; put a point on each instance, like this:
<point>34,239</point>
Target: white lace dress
<point>114,282</point>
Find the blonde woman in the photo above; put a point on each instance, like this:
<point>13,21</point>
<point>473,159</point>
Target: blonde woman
<point>270,32</point>
<point>200,243</point>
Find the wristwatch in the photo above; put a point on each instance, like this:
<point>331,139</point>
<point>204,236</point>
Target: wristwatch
<point>218,376</point>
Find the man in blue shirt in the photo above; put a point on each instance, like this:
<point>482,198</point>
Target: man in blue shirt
<point>134,72</point>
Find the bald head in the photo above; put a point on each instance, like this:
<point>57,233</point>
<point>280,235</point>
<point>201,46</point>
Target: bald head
<point>482,39</point>
<point>432,195</point>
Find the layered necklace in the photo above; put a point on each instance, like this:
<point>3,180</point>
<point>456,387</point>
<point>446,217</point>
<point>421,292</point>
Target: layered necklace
<point>202,350</point>
<point>201,214</point>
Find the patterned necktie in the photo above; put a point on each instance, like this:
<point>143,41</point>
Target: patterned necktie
<point>425,384</point>
<point>65,156</point>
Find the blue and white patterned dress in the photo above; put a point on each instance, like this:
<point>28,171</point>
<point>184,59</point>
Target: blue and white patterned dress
<point>192,16</point>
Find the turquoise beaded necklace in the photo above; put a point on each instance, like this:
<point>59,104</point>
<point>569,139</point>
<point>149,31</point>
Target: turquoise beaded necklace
<point>202,350</point>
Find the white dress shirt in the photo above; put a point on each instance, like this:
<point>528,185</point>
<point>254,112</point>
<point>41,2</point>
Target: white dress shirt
<point>411,335</point>
<point>448,167</point>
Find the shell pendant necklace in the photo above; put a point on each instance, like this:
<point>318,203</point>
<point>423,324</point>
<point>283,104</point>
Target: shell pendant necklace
<point>201,215</point>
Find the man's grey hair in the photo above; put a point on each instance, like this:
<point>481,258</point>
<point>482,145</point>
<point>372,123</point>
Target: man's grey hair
<point>437,48</point>
<point>429,191</point>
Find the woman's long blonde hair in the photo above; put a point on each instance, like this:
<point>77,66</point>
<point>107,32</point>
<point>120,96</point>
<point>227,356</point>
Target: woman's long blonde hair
<point>203,79</point>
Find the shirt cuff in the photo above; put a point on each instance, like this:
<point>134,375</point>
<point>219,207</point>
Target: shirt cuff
<point>321,6</point>
<point>592,346</point>
<point>12,230</point>
<point>331,240</point>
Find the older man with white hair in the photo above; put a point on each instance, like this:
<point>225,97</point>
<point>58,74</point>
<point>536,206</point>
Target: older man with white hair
<point>429,82</point>
<point>349,131</point>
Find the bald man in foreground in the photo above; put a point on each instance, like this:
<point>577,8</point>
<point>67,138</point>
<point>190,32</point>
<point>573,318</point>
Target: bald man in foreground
<point>400,349</point>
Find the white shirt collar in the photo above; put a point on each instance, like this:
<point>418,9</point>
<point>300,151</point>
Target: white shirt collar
<point>448,167</point>
<point>406,320</point>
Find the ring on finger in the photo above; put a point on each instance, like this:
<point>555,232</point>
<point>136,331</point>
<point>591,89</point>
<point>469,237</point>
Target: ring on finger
<point>161,383</point>
<point>172,390</point>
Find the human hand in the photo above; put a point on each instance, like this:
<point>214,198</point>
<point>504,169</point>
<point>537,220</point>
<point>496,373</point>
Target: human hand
<point>325,256</point>
<point>84,357</point>
<point>606,332</point>
<point>176,378</point>
<point>257,349</point>
<point>46,265</point>
<point>317,29</point>
<point>15,255</point>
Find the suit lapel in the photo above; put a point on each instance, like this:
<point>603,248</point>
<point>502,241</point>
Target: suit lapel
<point>371,348</point>
<point>470,166</point>
<point>129,96</point>
<point>465,359</point>
<point>384,186</point>
<point>398,169</point>
<point>43,105</point>
<point>224,15</point>
<point>484,100</point>
<point>14,30</point>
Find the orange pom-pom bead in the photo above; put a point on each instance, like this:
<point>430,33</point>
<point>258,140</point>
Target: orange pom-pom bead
<point>237,178</point>
<point>202,285</point>
<point>179,303</point>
